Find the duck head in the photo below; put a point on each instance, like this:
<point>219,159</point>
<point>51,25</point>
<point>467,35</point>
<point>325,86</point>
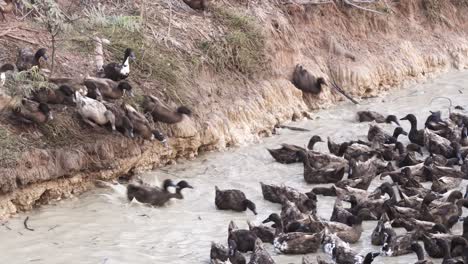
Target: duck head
<point>126,88</point>
<point>438,228</point>
<point>411,118</point>
<point>392,118</point>
<point>399,131</point>
<point>366,214</point>
<point>41,53</point>
<point>312,142</point>
<point>249,204</point>
<point>275,218</point>
<point>429,198</point>
<point>183,185</point>
<point>370,257</point>
<point>44,108</point>
<point>129,54</point>
<point>321,80</point>
<point>160,137</point>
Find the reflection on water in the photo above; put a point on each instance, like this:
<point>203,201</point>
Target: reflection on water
<point>102,227</point>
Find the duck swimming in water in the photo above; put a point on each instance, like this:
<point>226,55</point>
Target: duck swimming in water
<point>369,116</point>
<point>415,136</point>
<point>331,174</point>
<point>244,239</point>
<point>260,255</point>
<point>155,195</point>
<point>419,253</point>
<point>233,200</point>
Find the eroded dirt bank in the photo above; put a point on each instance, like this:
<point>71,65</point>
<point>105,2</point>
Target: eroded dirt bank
<point>365,53</point>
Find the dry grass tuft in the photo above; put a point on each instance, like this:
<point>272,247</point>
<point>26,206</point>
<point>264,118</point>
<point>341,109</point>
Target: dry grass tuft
<point>11,147</point>
<point>241,48</point>
<point>63,130</point>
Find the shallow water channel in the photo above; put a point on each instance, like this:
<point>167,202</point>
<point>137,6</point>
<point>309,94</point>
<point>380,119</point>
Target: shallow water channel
<point>102,227</point>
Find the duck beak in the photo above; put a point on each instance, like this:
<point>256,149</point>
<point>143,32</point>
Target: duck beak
<point>50,116</point>
<point>396,122</point>
<point>130,93</point>
<point>466,195</point>
<point>404,133</point>
<point>255,212</point>
<point>266,221</point>
<point>404,118</point>
<point>45,57</point>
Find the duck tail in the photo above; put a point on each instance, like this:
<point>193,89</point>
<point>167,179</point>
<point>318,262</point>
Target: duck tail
<point>216,188</point>
<point>184,110</point>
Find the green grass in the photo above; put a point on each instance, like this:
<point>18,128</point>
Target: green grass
<point>241,49</point>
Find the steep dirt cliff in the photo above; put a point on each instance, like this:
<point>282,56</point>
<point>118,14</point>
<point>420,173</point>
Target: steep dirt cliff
<point>232,64</point>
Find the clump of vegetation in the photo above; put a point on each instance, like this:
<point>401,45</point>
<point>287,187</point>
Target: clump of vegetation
<point>11,147</point>
<point>63,130</point>
<point>22,84</point>
<point>242,46</point>
<point>433,9</point>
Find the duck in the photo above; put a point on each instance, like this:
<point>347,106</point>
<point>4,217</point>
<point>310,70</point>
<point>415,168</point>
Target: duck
<point>142,126</point>
<point>7,8</point>
<point>415,136</point>
<point>31,112</point>
<point>313,141</point>
<point>376,134</point>
<point>244,239</point>
<point>196,4</point>
<point>156,196</point>
<point>306,82</point>
<point>445,184</point>
<point>341,215</point>
<point>407,155</point>
<point>161,113</point>
<point>337,149</point>
<point>447,258</point>
<point>121,121</point>
<point>446,214</point>
<point>359,152</point>
<point>119,71</point>
<point>233,200</point>
<point>369,116</point>
<point>3,70</point>
<point>27,59</point>
<point>265,233</point>
<point>298,242</point>
<point>306,202</point>
<point>382,231</point>
<point>76,84</point>
<point>341,252</point>
<point>234,256</point>
<point>350,232</point>
<point>330,174</point>
<point>260,255</point>
<point>438,145</point>
<point>107,88</point>
<point>287,154</point>
<point>398,245</point>
<point>63,95</point>
<point>321,160</point>
<point>94,112</point>
<point>419,253</point>
<point>458,245</point>
<point>436,172</point>
<point>218,254</point>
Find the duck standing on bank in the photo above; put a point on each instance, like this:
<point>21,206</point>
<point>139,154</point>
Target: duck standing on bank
<point>233,200</point>
<point>119,71</point>
<point>27,59</point>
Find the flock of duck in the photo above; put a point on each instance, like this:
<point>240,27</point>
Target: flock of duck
<point>426,214</point>
<point>97,100</point>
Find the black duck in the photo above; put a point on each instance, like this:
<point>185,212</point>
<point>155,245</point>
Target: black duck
<point>306,82</point>
<point>31,112</point>
<point>244,239</point>
<point>329,174</point>
<point>27,59</point>
<point>260,255</point>
<point>119,71</point>
<point>419,253</point>
<point>161,113</point>
<point>233,200</point>
<point>415,136</point>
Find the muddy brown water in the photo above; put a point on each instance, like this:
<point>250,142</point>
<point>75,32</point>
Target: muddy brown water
<point>102,227</point>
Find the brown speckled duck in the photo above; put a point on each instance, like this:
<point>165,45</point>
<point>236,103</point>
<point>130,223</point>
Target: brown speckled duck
<point>369,116</point>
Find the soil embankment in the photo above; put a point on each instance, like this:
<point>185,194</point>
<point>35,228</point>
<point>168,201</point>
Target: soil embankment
<point>232,65</point>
